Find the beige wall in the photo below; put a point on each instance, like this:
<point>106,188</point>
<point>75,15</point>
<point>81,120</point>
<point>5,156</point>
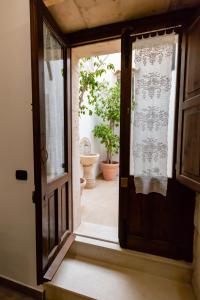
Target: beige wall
<point>17,212</point>
<point>196,273</point>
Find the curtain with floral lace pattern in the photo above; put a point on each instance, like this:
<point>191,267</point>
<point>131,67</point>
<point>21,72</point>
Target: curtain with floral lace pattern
<point>153,63</point>
<point>54,104</point>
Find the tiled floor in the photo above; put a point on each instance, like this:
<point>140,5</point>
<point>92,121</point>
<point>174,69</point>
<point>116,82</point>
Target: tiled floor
<point>8,294</point>
<point>99,210</point>
<point>97,231</point>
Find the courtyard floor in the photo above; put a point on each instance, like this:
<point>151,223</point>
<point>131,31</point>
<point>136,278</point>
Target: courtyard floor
<point>99,211</point>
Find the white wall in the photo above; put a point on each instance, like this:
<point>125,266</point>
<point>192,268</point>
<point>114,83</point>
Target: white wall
<point>75,143</point>
<point>86,125</point>
<point>196,263</point>
<point>17,212</point>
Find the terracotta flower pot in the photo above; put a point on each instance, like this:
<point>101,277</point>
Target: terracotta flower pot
<point>110,171</point>
<point>82,183</point>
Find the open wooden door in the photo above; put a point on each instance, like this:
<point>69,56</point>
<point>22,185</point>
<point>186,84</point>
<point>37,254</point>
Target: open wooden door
<point>52,141</point>
<point>188,156</point>
<point>153,223</point>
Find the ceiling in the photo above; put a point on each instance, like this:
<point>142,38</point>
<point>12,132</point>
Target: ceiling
<point>102,48</point>
<point>74,15</point>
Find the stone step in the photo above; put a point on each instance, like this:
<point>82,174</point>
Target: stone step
<point>80,278</point>
<point>112,253</point>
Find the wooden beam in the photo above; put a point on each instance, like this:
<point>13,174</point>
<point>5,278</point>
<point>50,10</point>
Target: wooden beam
<point>147,24</point>
<point>52,2</point>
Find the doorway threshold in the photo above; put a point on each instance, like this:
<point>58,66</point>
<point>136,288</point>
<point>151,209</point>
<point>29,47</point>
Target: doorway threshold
<point>100,270</point>
<point>98,231</point>
<point>112,253</point>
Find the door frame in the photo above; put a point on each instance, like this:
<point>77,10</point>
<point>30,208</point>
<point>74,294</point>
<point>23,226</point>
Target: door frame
<point>119,30</point>
<point>39,14</point>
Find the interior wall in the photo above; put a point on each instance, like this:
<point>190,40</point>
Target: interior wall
<point>196,263</point>
<point>17,211</point>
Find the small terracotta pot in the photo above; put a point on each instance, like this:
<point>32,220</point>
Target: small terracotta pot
<point>110,171</point>
<point>82,184</point>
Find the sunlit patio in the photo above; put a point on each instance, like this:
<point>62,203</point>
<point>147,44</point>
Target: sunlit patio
<point>99,211</point>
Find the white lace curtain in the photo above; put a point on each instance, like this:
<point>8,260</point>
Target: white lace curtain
<point>54,104</point>
<point>152,81</point>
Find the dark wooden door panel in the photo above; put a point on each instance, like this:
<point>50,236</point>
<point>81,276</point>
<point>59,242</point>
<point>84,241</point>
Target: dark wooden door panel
<point>55,217</point>
<point>45,233</point>
<point>192,86</point>
<point>153,223</point>
<point>191,142</point>
<point>188,154</point>
<point>64,210</point>
<point>63,220</point>
<point>52,141</point>
<point>161,225</point>
<point>52,220</point>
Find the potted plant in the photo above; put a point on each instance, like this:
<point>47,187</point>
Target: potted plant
<point>109,111</point>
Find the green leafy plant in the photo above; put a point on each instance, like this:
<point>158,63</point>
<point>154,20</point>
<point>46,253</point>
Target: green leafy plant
<point>109,110</point>
<point>91,86</point>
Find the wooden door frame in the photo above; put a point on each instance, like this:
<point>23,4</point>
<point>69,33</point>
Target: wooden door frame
<point>180,17</point>
<point>125,118</point>
<point>39,14</point>
<point>122,30</point>
<point>37,11</point>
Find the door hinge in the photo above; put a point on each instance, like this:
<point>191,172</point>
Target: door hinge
<point>124,182</point>
<point>34,197</point>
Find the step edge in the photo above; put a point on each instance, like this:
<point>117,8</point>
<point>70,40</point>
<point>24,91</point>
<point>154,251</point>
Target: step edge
<point>117,249</point>
<point>63,289</point>
<point>167,268</point>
